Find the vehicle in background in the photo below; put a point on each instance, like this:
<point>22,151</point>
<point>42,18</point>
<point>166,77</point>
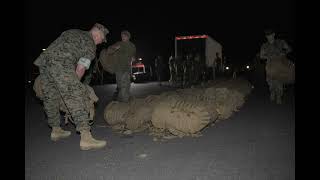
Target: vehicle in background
<point>204,46</point>
<point>139,72</point>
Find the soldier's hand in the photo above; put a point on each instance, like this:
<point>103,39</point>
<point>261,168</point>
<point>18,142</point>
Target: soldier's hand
<point>80,70</point>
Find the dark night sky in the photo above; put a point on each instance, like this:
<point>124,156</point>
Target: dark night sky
<point>237,26</point>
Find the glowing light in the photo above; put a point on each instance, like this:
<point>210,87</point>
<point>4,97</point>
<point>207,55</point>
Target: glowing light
<point>191,37</point>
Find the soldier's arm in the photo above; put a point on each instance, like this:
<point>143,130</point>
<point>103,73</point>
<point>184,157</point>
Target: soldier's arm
<point>287,49</point>
<point>80,70</point>
<point>263,53</point>
<point>84,62</point>
<point>83,65</point>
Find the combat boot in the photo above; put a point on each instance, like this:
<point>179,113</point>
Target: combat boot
<point>87,142</point>
<point>58,133</point>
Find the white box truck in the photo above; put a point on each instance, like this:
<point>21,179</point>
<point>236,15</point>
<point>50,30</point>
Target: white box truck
<point>204,45</point>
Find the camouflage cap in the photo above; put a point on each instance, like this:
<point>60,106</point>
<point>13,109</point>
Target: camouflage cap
<point>102,28</point>
<point>126,33</point>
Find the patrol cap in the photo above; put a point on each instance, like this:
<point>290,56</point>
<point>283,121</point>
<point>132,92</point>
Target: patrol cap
<point>102,28</point>
<point>126,33</point>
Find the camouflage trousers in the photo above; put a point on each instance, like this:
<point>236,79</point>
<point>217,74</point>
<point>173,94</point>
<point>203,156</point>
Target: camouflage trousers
<point>196,75</point>
<point>57,83</point>
<point>123,85</point>
<point>159,75</point>
<point>276,90</point>
<point>187,77</point>
<point>185,82</point>
<point>172,75</point>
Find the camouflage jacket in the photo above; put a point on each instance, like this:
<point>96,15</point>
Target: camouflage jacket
<point>67,49</point>
<point>279,47</point>
<point>123,56</point>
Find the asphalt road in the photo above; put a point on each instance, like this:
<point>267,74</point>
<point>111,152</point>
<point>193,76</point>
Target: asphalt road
<point>256,143</point>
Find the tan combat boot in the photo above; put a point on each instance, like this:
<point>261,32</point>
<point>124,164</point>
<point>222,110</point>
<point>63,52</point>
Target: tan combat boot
<point>87,142</point>
<point>58,133</point>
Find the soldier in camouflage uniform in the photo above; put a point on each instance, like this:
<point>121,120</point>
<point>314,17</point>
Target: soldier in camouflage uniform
<point>218,61</point>
<point>202,70</point>
<point>190,70</point>
<point>124,52</point>
<point>179,69</point>
<point>186,68</point>
<point>197,68</point>
<point>158,63</point>
<point>171,69</point>
<point>185,75</point>
<point>273,48</point>
<point>62,65</point>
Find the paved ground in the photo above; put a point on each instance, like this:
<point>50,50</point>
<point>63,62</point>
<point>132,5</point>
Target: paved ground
<point>256,143</point>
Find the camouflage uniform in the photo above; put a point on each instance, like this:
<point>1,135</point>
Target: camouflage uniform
<point>185,76</point>
<point>122,69</point>
<point>189,71</point>
<point>159,68</point>
<point>218,64</point>
<point>179,70</point>
<point>89,73</point>
<point>202,70</point>
<point>197,69</point>
<point>57,66</point>
<point>269,51</point>
<point>172,69</point>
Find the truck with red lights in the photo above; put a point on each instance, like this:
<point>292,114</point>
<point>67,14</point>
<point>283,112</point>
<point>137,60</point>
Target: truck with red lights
<point>139,72</point>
